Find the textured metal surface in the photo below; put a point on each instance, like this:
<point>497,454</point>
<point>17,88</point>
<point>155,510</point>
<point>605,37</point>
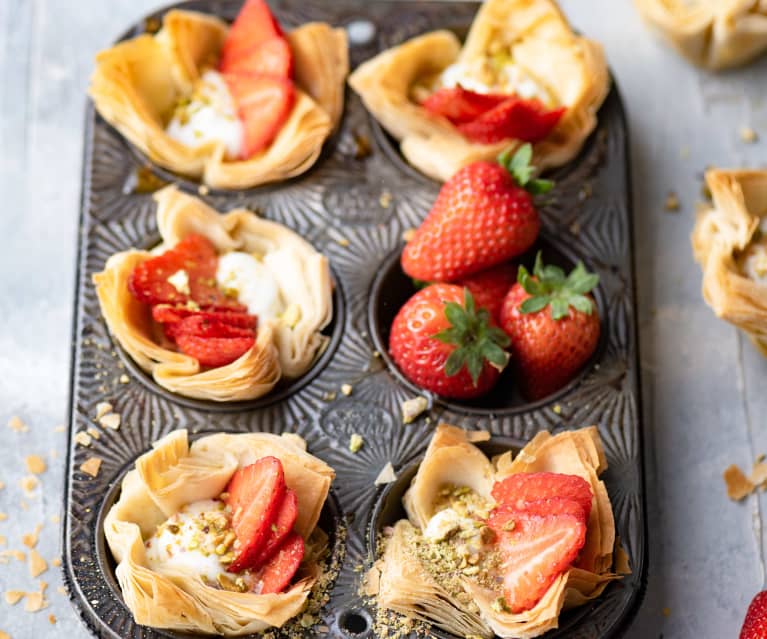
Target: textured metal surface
<point>336,205</point>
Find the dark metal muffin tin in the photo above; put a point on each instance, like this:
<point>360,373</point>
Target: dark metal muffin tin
<point>337,206</point>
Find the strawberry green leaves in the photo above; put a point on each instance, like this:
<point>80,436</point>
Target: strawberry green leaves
<point>477,338</point>
<point>549,286</point>
<point>522,171</point>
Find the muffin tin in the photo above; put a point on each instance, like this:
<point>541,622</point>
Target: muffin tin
<point>354,206</point>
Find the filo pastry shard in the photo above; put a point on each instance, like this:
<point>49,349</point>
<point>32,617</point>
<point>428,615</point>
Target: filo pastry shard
<point>173,474</point>
<point>528,41</point>
<point>410,578</point>
<point>286,344</point>
<point>715,34</point>
<point>138,83</point>
<point>729,242</point>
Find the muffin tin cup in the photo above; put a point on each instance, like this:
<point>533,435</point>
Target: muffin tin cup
<point>338,206</point>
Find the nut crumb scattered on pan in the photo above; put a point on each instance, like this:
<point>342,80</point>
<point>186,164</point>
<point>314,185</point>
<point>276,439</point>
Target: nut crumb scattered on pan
<point>342,241</point>
<point>346,389</point>
<point>35,464</point>
<point>124,379</point>
<point>386,476</point>
<point>385,199</point>
<point>203,190</point>
<point>412,408</point>
<point>355,442</point>
<point>102,408</point>
<point>110,420</point>
<point>672,204</point>
<point>362,146</point>
<point>37,565</point>
<point>557,409</point>
<point>16,424</point>
<point>91,466</point>
<point>408,235</point>
<point>94,433</point>
<point>83,438</point>
<point>748,135</point>
<point>738,485</point>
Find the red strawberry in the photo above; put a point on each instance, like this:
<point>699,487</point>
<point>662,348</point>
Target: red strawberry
<point>482,216</point>
<point>521,489</point>
<point>549,346</point>
<point>171,318</point>
<point>459,105</point>
<point>279,530</point>
<point>515,118</point>
<point>263,104</point>
<point>255,493</point>
<point>490,286</point>
<point>253,25</point>
<point>213,352</point>
<point>272,57</point>
<point>441,342</point>
<point>535,549</point>
<point>276,575</point>
<point>201,326</point>
<point>755,624</point>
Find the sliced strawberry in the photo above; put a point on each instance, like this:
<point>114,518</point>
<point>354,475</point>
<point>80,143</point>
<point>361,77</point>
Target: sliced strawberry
<point>515,118</point>
<point>201,326</point>
<point>534,551</point>
<point>263,105</point>
<point>276,575</point>
<point>521,488</point>
<point>253,25</point>
<point>213,352</point>
<point>279,530</point>
<point>167,314</point>
<point>255,493</point>
<point>489,287</point>
<point>459,105</point>
<point>553,506</point>
<point>272,57</point>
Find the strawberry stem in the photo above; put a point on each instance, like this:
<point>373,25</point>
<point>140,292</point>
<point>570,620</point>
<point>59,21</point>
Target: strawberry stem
<point>549,286</point>
<point>477,339</point>
<point>522,171</point>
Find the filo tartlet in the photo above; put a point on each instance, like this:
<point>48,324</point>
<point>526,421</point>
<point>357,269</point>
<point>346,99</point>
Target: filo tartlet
<point>532,37</point>
<point>138,83</point>
<point>714,34</point>
<point>171,589</point>
<point>287,342</point>
<point>730,243</point>
<point>468,598</point>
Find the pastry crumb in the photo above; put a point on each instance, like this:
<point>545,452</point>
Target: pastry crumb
<point>412,408</point>
<point>30,539</point>
<point>124,379</point>
<point>408,235</point>
<point>35,602</point>
<point>342,241</point>
<point>52,619</point>
<point>12,597</point>
<point>346,389</point>
<point>28,484</point>
<point>61,590</point>
<point>102,408</point>
<point>110,420</point>
<point>35,464</point>
<point>386,476</point>
<point>55,519</point>
<point>94,433</point>
<point>355,442</point>
<point>56,562</point>
<point>672,204</point>
<point>60,428</point>
<point>17,425</point>
<point>385,199</point>
<point>3,516</point>
<point>738,485</point>
<point>91,466</point>
<point>748,135</point>
<point>37,565</point>
<point>83,438</point>
<point>362,146</point>
<point>203,190</point>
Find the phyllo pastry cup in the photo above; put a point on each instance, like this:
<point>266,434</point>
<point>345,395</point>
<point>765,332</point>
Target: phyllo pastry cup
<point>729,242</point>
<point>285,346</point>
<point>174,474</point>
<point>137,84</point>
<point>715,34</point>
<point>571,69</point>
<point>403,582</point>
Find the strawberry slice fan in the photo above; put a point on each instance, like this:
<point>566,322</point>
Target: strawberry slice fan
<point>487,119</point>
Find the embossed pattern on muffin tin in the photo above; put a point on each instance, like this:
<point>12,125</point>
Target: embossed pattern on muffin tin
<point>337,206</point>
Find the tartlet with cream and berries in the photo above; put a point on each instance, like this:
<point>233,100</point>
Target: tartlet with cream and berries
<point>501,547</point>
<point>521,76</point>
<point>220,536</point>
<point>714,34</point>
<point>730,244</point>
<point>224,307</point>
<point>235,106</point>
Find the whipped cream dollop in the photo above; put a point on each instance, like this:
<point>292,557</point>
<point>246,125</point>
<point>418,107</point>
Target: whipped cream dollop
<point>208,115</point>
<point>254,285</point>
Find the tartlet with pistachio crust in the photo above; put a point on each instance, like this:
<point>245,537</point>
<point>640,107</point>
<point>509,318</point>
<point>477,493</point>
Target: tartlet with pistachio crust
<point>515,48</point>
<point>501,547</point>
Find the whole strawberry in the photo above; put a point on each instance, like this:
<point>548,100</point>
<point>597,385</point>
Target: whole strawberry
<point>553,324</point>
<point>443,343</point>
<point>755,624</point>
<point>489,287</point>
<point>483,215</point>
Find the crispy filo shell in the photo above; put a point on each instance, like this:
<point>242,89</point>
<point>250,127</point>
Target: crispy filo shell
<point>572,69</point>
<point>714,34</point>
<point>137,83</point>
<point>403,585</point>
<point>281,349</point>
<point>173,474</point>
<point>722,231</point>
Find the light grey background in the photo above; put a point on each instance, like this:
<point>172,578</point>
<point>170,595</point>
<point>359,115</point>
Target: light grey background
<point>705,403</point>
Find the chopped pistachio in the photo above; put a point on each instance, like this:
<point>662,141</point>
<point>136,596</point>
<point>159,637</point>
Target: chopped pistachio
<point>346,389</point>
<point>355,442</point>
<point>412,408</point>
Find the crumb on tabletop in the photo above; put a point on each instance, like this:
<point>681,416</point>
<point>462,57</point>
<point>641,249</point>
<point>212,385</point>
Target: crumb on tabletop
<point>35,464</point>
<point>17,425</point>
<point>738,485</point>
<point>748,135</point>
<point>37,565</point>
<point>30,539</point>
<point>672,204</point>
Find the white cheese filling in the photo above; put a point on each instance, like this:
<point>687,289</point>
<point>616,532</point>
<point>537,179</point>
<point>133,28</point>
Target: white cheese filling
<point>209,115</point>
<point>446,522</point>
<point>254,285</point>
<point>753,260</point>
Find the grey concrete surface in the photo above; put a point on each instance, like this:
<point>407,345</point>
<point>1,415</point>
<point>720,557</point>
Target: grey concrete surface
<point>705,404</point>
